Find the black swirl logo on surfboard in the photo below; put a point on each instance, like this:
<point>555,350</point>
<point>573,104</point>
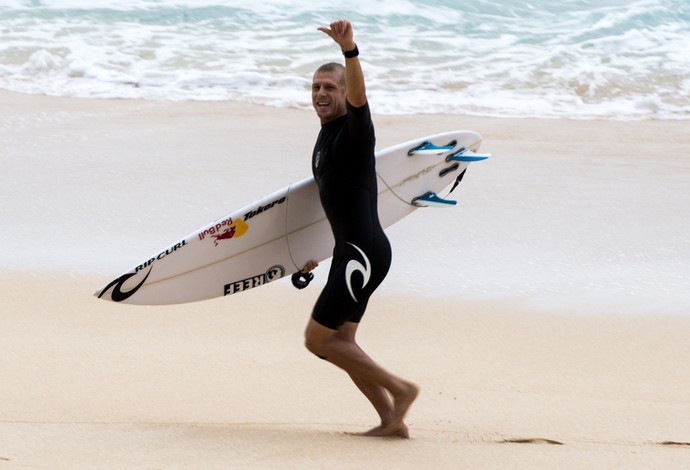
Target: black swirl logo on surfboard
<point>119,295</point>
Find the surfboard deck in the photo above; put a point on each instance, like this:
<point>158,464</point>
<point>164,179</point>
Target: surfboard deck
<point>278,234</point>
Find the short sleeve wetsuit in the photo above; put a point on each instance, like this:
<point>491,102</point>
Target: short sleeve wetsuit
<point>343,165</point>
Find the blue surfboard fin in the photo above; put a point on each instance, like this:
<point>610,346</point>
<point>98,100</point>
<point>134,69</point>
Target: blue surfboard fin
<point>432,199</point>
<point>427,148</point>
<point>466,155</point>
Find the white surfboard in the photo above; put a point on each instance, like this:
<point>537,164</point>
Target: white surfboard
<point>280,233</point>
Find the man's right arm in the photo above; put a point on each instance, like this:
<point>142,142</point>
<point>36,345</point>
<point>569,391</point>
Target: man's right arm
<point>341,32</point>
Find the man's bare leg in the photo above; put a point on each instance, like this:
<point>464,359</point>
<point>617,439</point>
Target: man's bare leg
<point>367,375</point>
<point>377,395</point>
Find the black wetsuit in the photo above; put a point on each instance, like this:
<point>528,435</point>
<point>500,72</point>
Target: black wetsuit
<point>343,165</point>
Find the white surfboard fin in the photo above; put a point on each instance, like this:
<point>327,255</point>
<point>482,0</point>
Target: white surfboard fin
<point>427,148</point>
<point>466,155</point>
<point>432,199</point>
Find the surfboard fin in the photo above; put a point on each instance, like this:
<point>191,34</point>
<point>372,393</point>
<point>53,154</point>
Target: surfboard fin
<point>427,148</point>
<point>466,155</point>
<point>432,199</point>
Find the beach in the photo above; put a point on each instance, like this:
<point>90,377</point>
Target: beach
<point>555,334</point>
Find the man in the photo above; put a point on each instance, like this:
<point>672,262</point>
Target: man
<point>344,168</point>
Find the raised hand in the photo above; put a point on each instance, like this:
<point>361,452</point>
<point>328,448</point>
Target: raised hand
<point>341,32</point>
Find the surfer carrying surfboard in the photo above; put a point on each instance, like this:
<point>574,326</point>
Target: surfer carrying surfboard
<point>343,165</point>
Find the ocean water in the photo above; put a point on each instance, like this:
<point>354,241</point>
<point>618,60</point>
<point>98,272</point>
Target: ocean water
<point>606,59</point>
<point>578,240</point>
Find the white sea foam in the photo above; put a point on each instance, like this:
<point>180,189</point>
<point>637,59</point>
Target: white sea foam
<point>576,59</point>
<point>612,59</point>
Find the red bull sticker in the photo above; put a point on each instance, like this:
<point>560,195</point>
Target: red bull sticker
<point>225,230</point>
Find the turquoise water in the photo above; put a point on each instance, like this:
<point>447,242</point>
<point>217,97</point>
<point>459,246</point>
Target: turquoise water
<point>577,59</point>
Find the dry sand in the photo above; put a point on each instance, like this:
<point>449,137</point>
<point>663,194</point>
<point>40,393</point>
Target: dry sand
<point>227,383</point>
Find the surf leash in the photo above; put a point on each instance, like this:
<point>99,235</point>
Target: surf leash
<point>301,280</point>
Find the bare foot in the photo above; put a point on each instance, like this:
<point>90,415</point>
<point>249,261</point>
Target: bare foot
<point>401,403</point>
<point>384,431</point>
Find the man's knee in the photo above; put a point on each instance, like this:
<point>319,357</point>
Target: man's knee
<point>317,338</point>
<point>315,347</point>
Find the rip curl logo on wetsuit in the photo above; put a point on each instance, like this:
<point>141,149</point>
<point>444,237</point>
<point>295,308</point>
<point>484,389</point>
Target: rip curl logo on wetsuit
<point>355,266</point>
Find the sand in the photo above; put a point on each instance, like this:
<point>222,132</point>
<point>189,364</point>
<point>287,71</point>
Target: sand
<point>227,383</point>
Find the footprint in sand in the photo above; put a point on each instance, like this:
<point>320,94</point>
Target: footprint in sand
<point>532,440</point>
<point>673,443</point>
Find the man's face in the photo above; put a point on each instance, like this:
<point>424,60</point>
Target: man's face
<point>328,96</point>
